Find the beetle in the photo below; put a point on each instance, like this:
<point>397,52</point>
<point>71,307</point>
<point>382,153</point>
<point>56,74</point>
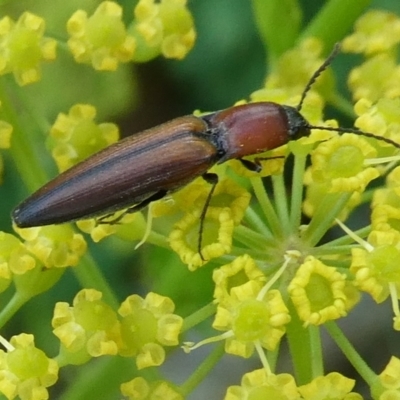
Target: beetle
<point>147,166</point>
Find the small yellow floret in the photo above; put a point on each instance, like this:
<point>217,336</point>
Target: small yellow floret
<point>163,27</point>
<point>75,136</point>
<point>331,386</point>
<point>147,325</point>
<point>339,163</point>
<point>376,31</point>
<point>25,370</point>
<point>101,39</point>
<point>216,236</point>
<point>317,292</point>
<point>258,384</point>
<point>23,47</point>
<point>140,389</point>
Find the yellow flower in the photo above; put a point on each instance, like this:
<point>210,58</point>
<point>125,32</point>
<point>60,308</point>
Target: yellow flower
<point>331,386</point>
<point>317,292</point>
<point>76,136</point>
<point>260,385</point>
<point>376,31</point>
<point>140,389</point>
<point>129,227</point>
<point>101,39</point>
<point>90,328</point>
<point>216,237</point>
<point>55,246</point>
<point>252,317</point>
<point>162,27</point>
<point>238,272</point>
<point>339,163</point>
<point>376,78</point>
<point>229,194</point>
<point>383,119</point>
<point>22,47</point>
<point>315,191</point>
<point>390,376</point>
<point>375,267</point>
<point>295,67</point>
<point>25,370</point>
<point>385,211</point>
<point>148,325</point>
<point>14,259</point>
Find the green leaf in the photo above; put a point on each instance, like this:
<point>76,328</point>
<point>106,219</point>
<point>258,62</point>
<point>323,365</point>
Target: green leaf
<point>278,22</point>
<point>334,21</point>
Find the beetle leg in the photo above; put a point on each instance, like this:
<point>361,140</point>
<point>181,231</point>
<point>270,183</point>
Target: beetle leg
<point>255,166</point>
<point>155,196</point>
<point>212,179</point>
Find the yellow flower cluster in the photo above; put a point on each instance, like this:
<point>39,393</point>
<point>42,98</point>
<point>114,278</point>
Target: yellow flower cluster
<point>23,46</point>
<point>91,328</point>
<point>25,371</point>
<point>100,39</point>
<point>162,27</point>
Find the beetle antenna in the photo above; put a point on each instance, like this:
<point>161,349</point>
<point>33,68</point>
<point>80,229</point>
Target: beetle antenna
<point>312,80</point>
<point>317,73</point>
<point>357,132</point>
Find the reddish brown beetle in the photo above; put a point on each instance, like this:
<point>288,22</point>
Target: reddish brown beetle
<point>145,167</point>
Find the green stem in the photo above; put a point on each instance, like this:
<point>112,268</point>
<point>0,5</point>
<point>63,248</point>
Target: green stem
<point>198,316</point>
<point>22,145</point>
<point>331,250</point>
<point>158,240</point>
<point>281,202</point>
<point>278,22</point>
<point>272,357</point>
<point>297,192</point>
<point>304,346</point>
<point>12,306</point>
<point>202,370</point>
<point>89,276</point>
<point>316,356</point>
<point>267,207</point>
<point>346,239</point>
<point>351,354</point>
<point>253,220</point>
<point>262,255</point>
<point>252,239</point>
<point>329,209</point>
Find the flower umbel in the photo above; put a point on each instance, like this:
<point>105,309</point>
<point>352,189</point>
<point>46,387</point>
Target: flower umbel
<point>278,258</point>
